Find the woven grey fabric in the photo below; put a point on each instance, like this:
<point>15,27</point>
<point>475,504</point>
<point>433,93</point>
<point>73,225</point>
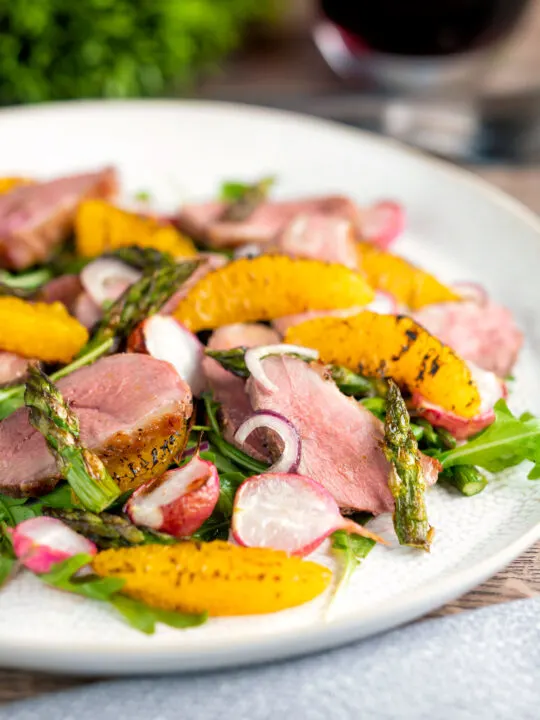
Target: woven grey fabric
<point>479,665</point>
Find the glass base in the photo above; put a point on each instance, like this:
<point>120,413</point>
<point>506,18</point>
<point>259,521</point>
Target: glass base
<point>400,73</point>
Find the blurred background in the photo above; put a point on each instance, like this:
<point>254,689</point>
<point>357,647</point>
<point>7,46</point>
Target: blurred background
<point>460,78</point>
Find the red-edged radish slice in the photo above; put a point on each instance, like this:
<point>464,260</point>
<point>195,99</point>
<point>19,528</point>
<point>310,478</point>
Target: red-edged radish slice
<point>41,542</point>
<point>385,304</point>
<point>254,356</point>
<point>179,501</point>
<point>165,338</point>
<point>491,390</point>
<point>105,279</point>
<point>471,291</point>
<point>250,250</point>
<point>382,223</point>
<point>292,445</point>
<point>287,512</point>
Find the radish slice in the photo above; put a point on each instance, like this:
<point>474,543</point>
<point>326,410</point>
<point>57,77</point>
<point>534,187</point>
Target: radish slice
<point>254,356</point>
<point>165,338</point>
<point>471,291</point>
<point>292,445</point>
<point>287,512</point>
<point>491,389</point>
<point>106,279</point>
<point>382,223</point>
<point>41,542</point>
<point>250,250</point>
<point>179,501</point>
<point>385,304</point>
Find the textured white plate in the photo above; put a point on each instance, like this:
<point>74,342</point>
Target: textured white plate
<point>457,226</point>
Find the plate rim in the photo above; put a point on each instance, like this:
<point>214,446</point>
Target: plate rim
<point>88,657</point>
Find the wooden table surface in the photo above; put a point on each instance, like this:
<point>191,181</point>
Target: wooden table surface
<point>522,578</point>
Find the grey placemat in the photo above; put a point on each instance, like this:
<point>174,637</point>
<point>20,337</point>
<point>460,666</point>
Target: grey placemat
<point>480,665</point>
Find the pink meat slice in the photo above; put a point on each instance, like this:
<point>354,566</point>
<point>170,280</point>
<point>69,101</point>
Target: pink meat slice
<point>484,334</point>
<point>202,221</point>
<point>210,262</point>
<point>65,289</point>
<point>35,219</point>
<point>12,367</point>
<point>87,312</point>
<point>119,394</point>
<point>328,238</point>
<point>341,440</point>
<point>228,389</point>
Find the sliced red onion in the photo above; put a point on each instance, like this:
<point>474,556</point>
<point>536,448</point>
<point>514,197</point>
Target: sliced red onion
<point>165,338</point>
<point>189,452</point>
<point>41,542</point>
<point>385,304</point>
<point>254,356</point>
<point>105,279</point>
<point>292,444</point>
<point>472,291</point>
<point>287,512</point>
<point>250,250</point>
<point>179,501</point>
<point>491,389</point>
<point>382,223</point>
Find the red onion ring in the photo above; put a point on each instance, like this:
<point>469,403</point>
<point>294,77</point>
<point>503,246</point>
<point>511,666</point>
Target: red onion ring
<point>107,278</point>
<point>292,444</point>
<point>254,356</point>
<point>471,291</point>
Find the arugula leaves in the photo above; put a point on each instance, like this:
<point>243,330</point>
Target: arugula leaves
<point>351,549</point>
<point>135,613</point>
<point>506,443</point>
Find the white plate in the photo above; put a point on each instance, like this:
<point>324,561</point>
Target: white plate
<point>457,226</point>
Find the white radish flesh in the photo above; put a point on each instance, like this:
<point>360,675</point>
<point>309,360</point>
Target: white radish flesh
<point>287,512</point>
<point>179,501</point>
<point>41,542</point>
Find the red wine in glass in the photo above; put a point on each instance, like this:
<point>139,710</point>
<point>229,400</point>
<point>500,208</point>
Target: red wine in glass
<point>405,34</point>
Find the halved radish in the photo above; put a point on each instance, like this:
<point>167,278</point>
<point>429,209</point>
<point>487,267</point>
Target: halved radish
<point>382,223</point>
<point>105,279</point>
<point>179,501</point>
<point>287,512</point>
<point>165,338</point>
<point>491,389</point>
<point>385,303</point>
<point>41,542</point>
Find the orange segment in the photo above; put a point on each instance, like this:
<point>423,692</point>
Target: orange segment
<point>396,347</point>
<point>268,287</point>
<point>409,284</point>
<point>101,227</point>
<point>40,330</point>
<point>216,577</point>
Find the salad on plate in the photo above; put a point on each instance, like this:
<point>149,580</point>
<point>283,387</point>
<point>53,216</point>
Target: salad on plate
<point>192,404</point>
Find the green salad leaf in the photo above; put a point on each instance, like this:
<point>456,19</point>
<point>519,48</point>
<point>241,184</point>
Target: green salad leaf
<point>135,613</point>
<point>351,550</point>
<point>507,442</point>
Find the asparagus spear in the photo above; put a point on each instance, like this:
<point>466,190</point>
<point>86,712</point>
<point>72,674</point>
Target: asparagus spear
<point>465,478</point>
<point>51,415</point>
<point>143,298</point>
<point>107,530</point>
<point>406,479</point>
<point>142,258</point>
<point>349,382</point>
<point>248,201</point>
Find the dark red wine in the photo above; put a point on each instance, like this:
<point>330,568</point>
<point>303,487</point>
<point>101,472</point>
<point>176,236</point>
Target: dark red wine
<point>422,27</point>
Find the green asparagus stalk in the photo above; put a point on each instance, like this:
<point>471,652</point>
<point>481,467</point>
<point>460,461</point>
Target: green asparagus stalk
<point>406,480</point>
<point>107,530</point>
<point>232,360</point>
<point>465,478</point>
<point>146,259</point>
<point>28,281</point>
<point>247,201</point>
<point>51,415</point>
<point>143,298</point>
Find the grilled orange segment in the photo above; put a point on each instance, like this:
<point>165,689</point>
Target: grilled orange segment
<point>268,287</point>
<point>409,284</point>
<point>396,347</point>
